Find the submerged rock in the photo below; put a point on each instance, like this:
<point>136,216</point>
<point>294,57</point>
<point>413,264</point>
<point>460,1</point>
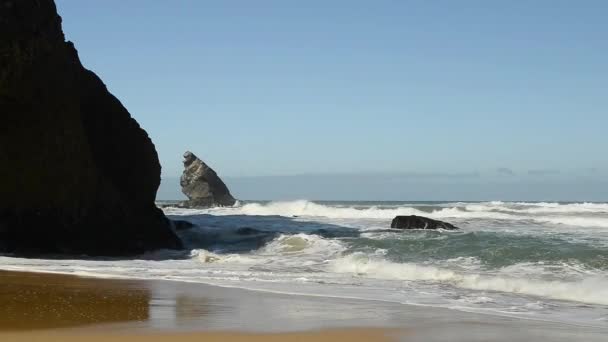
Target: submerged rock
<point>419,222</point>
<point>202,185</point>
<point>78,174</point>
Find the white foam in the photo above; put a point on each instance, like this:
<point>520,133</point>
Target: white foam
<point>539,208</point>
<point>575,221</point>
<point>302,244</point>
<point>204,256</point>
<point>307,208</point>
<point>312,209</point>
<point>488,210</point>
<point>593,290</point>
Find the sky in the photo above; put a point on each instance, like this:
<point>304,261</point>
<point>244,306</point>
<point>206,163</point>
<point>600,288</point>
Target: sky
<point>410,100</point>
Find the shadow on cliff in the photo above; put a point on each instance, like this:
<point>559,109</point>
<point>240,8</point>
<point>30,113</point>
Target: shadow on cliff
<point>78,174</point>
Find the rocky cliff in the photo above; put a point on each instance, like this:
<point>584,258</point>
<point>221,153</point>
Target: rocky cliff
<point>202,185</point>
<point>77,173</point>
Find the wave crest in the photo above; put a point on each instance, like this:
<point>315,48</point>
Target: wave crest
<point>302,243</point>
<point>573,214</point>
<point>591,289</point>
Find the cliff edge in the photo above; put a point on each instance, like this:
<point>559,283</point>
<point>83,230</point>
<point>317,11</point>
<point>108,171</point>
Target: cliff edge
<point>77,173</point>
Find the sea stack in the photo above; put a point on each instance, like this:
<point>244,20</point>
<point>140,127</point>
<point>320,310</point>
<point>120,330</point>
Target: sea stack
<point>202,185</point>
<point>78,175</point>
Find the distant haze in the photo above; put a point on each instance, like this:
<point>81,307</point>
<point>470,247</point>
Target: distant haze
<point>403,188</point>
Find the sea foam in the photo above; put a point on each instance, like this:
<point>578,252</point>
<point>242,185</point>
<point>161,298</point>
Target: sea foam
<point>554,213</point>
<point>590,290</point>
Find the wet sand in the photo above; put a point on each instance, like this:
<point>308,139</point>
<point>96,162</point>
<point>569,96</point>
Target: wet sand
<point>48,307</point>
<point>30,301</point>
<point>353,335</point>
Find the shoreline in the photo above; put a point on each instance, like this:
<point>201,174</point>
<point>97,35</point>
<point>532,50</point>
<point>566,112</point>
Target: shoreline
<point>44,303</point>
<point>252,291</point>
<point>354,335</point>
<point>39,306</point>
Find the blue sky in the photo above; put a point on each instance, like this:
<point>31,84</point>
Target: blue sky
<point>510,93</point>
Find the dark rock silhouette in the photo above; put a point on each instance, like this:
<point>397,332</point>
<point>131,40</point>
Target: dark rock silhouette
<point>202,185</point>
<point>78,174</point>
<point>419,222</point>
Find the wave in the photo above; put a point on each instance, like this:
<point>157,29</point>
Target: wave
<point>539,208</point>
<point>591,290</point>
<point>575,221</point>
<point>302,243</point>
<point>312,209</point>
<point>520,211</point>
<point>286,249</point>
<point>206,257</point>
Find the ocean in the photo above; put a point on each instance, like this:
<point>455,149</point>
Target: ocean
<point>541,261</point>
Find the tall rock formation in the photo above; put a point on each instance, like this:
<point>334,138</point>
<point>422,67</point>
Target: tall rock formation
<point>77,173</point>
<point>202,185</point>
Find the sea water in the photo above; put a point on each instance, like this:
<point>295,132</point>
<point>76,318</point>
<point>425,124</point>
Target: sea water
<point>545,261</point>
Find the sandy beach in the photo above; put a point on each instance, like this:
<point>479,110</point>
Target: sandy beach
<point>322,336</point>
<point>50,307</point>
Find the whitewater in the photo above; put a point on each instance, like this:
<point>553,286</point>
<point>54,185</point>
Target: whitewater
<point>546,261</point>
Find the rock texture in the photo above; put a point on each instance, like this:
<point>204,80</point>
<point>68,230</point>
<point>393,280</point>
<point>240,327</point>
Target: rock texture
<point>77,173</point>
<point>419,222</point>
<point>202,185</point>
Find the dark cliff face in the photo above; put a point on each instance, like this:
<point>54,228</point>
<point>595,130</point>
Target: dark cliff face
<point>77,173</point>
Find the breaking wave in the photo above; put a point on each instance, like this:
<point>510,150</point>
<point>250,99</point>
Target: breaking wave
<point>554,213</point>
<point>590,290</point>
<point>302,243</point>
<point>540,207</point>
